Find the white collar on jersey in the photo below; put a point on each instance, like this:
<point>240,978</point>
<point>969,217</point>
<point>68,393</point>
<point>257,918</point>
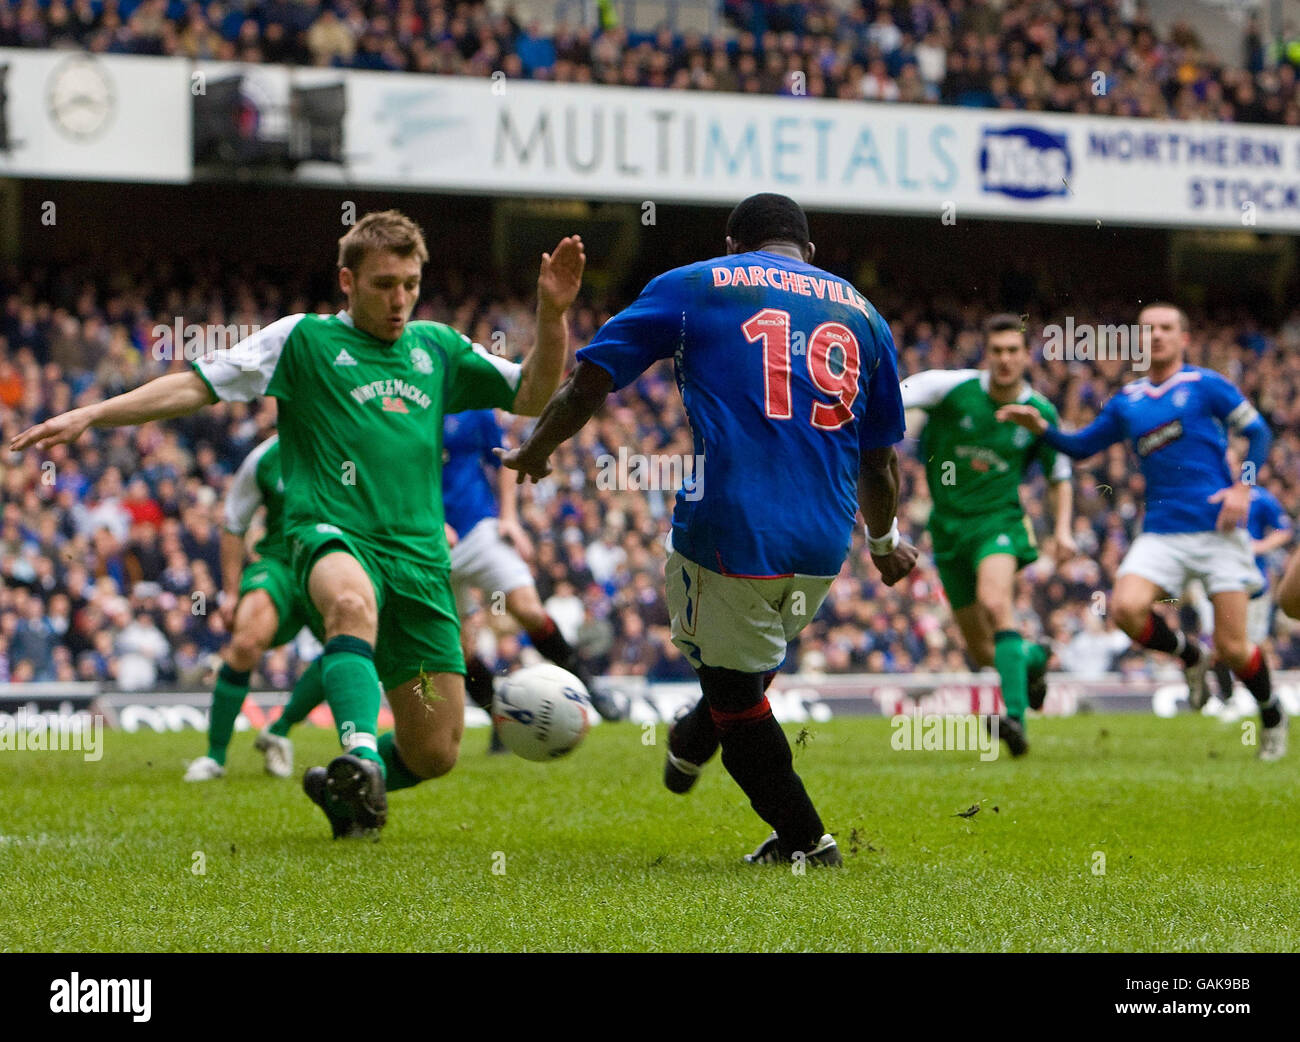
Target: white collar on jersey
<point>1022,397</point>
<point>346,319</point>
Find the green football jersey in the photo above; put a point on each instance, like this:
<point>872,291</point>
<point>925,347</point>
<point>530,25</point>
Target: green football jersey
<point>259,482</point>
<point>360,421</point>
<point>973,463</point>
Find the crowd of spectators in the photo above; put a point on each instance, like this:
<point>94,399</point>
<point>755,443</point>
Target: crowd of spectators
<point>109,549</point>
<point>1086,56</point>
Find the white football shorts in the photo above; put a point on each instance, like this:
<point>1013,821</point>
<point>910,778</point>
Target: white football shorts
<point>481,560</point>
<point>1223,562</point>
<point>733,623</point>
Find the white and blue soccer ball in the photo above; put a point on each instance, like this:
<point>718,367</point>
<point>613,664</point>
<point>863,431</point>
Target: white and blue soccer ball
<point>541,712</point>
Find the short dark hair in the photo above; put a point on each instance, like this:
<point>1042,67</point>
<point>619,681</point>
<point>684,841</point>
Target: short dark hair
<point>1183,321</point>
<point>767,217</point>
<point>1003,321</point>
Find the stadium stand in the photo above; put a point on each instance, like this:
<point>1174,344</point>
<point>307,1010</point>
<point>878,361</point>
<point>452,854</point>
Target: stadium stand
<point>1098,57</point>
<point>101,565</point>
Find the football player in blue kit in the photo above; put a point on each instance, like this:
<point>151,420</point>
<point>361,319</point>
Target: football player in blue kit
<point>490,554</point>
<point>790,383</point>
<point>1178,418</point>
<point>1269,529</point>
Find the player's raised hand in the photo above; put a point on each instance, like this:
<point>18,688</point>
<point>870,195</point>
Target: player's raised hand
<point>1024,416</point>
<point>528,465</point>
<point>560,277</point>
<point>1236,506</point>
<point>57,430</point>
<point>897,564</point>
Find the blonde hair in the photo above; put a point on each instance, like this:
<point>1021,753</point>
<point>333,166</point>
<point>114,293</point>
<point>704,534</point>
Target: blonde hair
<point>382,230</point>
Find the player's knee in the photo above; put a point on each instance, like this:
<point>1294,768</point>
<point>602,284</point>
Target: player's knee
<point>1130,613</point>
<point>245,650</point>
<point>1232,649</point>
<point>349,612</point>
<point>433,758</point>
<point>995,606</point>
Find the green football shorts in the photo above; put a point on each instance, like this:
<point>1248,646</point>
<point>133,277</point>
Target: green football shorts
<point>419,630</point>
<point>961,544</point>
<point>276,577</point>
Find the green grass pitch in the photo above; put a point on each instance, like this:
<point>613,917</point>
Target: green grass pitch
<point>1117,833</point>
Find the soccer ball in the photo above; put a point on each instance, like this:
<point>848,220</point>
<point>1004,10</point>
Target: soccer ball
<point>541,712</point>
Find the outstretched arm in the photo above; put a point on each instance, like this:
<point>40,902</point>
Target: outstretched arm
<point>1061,494</point>
<point>558,283</point>
<point>878,484</point>
<point>232,566</point>
<point>573,405</point>
<point>1103,431</point>
<point>175,394</point>
<point>508,525</point>
<point>1278,537</point>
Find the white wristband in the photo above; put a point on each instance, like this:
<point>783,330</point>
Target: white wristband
<point>886,543</point>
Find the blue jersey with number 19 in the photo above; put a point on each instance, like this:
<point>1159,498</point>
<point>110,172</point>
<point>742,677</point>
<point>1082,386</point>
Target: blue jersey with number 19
<point>788,374</point>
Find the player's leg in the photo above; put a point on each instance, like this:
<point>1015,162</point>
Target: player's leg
<point>525,606</point>
<point>757,755</point>
<point>995,575</point>
<point>982,601</point>
<point>479,687</point>
<point>977,632</point>
<point>351,789</point>
<point>428,722</point>
<point>307,694</point>
<point>471,570</point>
<point>273,743</point>
<point>1288,590</point>
<point>734,633</point>
<point>478,675</point>
<point>343,593</point>
<point>1246,659</point>
<point>492,566</point>
<point>1200,601</point>
<point>294,613</point>
<point>692,741</point>
<point>422,669</point>
<point>255,623</point>
<point>1153,566</point>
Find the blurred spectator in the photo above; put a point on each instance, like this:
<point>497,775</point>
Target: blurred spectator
<point>109,571</point>
<point>1012,54</point>
<point>142,650</point>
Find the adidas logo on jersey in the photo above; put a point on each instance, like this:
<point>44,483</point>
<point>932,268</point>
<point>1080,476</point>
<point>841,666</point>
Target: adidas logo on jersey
<point>344,358</point>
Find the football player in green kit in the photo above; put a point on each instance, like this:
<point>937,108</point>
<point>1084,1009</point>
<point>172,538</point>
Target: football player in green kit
<point>974,466</point>
<point>361,398</point>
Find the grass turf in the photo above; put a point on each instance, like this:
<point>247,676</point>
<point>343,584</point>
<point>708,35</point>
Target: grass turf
<point>1199,840</point>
